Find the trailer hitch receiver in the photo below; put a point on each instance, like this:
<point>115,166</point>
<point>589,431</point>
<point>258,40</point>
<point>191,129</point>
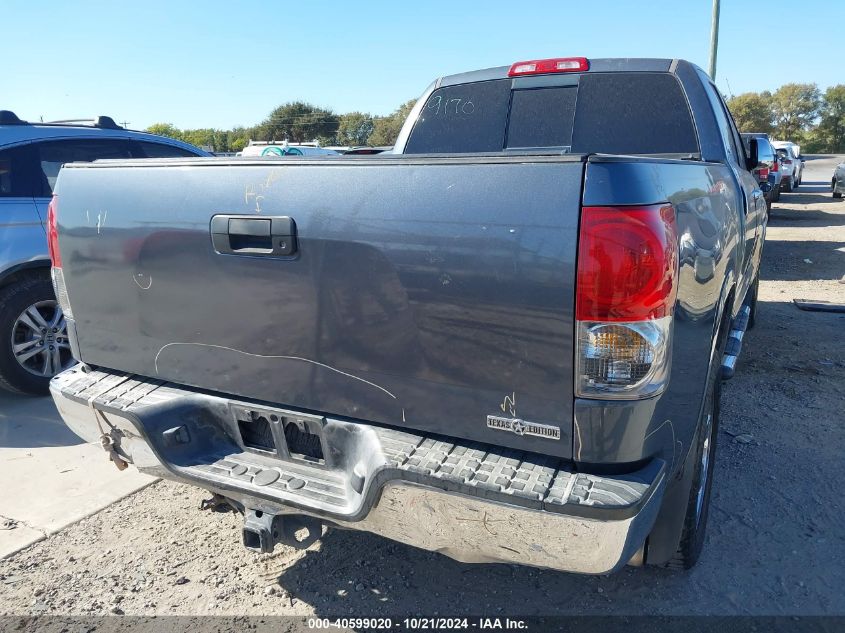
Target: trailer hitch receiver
<point>262,530</point>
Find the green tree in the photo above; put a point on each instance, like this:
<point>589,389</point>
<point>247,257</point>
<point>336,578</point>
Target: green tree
<point>830,132</point>
<point>752,111</point>
<point>386,128</point>
<point>165,129</point>
<point>354,128</point>
<point>298,121</point>
<point>794,108</point>
<point>199,137</point>
<point>239,138</point>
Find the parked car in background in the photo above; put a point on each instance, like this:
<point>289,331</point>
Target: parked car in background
<point>33,336</point>
<point>767,170</point>
<point>364,151</point>
<point>503,342</point>
<point>837,184</point>
<point>796,148</point>
<point>283,148</point>
<point>791,167</point>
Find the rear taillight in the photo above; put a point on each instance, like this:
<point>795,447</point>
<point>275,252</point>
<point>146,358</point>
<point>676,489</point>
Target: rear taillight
<point>764,172</point>
<point>56,258</point>
<point>53,233</point>
<point>544,66</point>
<point>774,167</point>
<point>626,284</point>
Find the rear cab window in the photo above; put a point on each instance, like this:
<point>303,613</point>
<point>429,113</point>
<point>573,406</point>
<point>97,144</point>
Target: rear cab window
<point>613,113</point>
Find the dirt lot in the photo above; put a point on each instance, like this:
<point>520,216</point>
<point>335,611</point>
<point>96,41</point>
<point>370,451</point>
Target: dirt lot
<point>776,544</point>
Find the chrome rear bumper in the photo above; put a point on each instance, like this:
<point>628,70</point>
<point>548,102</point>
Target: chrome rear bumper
<point>471,502</point>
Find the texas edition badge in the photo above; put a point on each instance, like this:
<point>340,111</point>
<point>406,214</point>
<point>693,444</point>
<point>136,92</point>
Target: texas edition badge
<point>523,427</point>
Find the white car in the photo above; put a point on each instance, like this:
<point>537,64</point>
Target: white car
<point>838,182</point>
<point>273,148</point>
<point>792,164</point>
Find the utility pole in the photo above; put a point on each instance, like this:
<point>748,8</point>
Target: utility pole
<point>124,123</point>
<point>714,39</point>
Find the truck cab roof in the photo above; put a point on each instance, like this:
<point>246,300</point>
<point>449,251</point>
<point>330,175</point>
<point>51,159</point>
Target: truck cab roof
<point>602,65</point>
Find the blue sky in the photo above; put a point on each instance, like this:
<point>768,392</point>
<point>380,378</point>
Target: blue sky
<point>223,63</point>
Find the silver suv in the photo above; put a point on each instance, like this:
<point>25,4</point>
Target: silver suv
<point>33,338</point>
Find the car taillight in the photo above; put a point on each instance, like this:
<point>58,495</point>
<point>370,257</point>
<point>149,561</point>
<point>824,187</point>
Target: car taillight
<point>775,167</point>
<point>764,172</point>
<point>555,65</point>
<point>53,233</point>
<point>626,283</point>
<point>56,272</point>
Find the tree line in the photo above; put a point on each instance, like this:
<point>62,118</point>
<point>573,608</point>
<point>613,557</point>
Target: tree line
<point>297,122</point>
<point>795,112</point>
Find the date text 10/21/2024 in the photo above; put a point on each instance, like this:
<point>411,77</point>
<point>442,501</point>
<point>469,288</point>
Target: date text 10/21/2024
<point>420,623</point>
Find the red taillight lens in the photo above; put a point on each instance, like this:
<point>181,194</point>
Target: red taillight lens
<point>53,233</point>
<point>555,65</point>
<point>627,263</point>
<point>774,167</point>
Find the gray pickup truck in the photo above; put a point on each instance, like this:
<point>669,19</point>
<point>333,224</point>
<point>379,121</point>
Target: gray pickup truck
<point>503,342</point>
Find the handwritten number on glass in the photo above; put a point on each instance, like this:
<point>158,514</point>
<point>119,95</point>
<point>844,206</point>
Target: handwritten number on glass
<point>450,107</point>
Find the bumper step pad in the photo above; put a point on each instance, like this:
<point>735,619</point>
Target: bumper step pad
<point>482,471</point>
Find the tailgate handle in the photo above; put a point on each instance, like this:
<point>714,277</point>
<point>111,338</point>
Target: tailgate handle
<point>267,236</point>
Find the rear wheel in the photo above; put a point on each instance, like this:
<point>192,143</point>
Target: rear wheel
<point>787,187</point>
<point>33,336</point>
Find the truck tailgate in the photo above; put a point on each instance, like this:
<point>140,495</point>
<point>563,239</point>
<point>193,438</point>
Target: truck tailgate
<point>427,293</point>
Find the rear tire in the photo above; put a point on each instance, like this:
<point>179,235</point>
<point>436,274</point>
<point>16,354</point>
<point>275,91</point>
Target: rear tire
<point>788,186</point>
<point>31,325</point>
<point>752,301</point>
<point>691,542</point>
<point>695,520</point>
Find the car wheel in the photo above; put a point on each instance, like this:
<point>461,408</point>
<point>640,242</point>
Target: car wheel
<point>775,194</point>
<point>698,505</point>
<point>33,337</point>
<point>836,194</point>
<point>787,187</point>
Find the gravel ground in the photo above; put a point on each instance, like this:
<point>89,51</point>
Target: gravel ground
<point>775,544</point>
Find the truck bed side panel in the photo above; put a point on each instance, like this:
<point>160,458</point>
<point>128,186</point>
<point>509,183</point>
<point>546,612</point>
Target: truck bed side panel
<point>708,207</point>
